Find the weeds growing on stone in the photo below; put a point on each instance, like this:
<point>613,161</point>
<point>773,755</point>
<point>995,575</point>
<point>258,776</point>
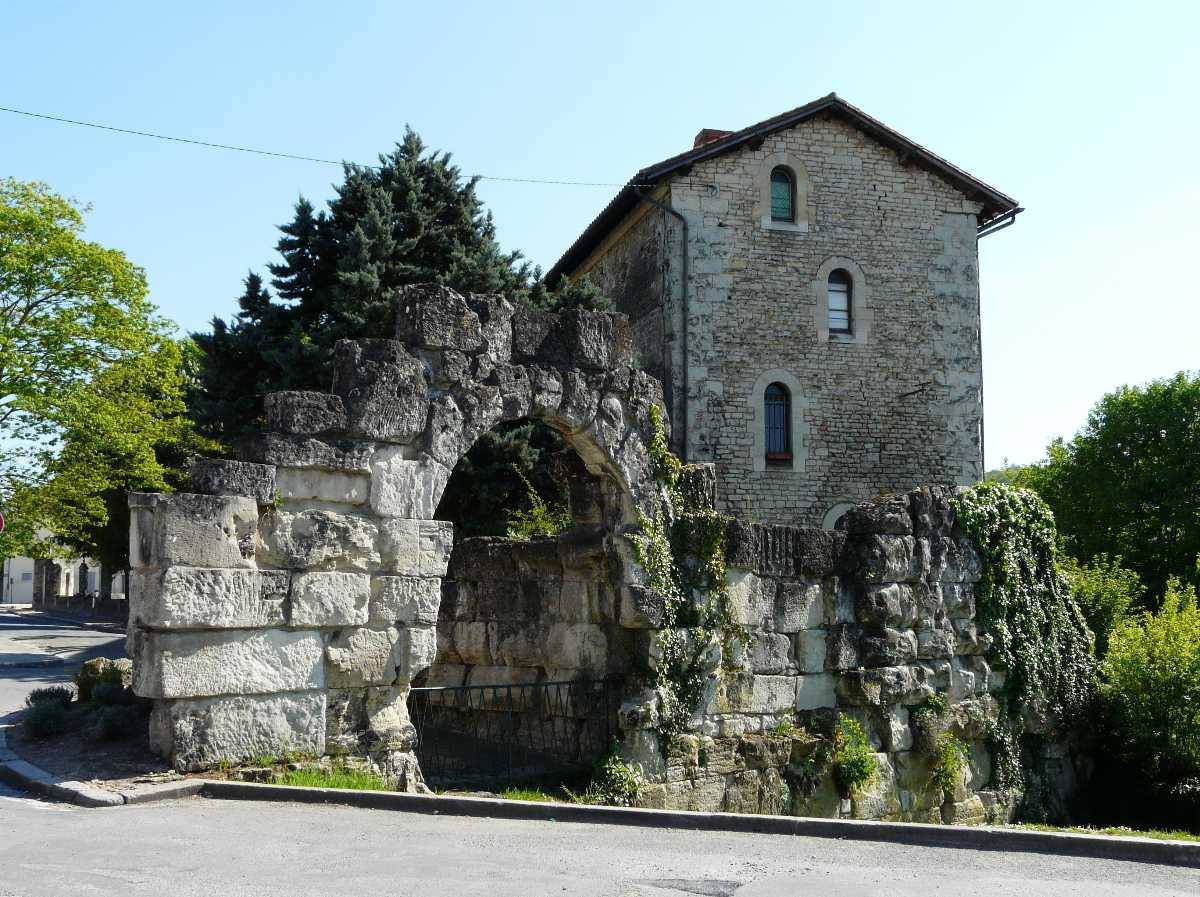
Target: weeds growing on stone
<point>534,795</point>
<point>339,776</point>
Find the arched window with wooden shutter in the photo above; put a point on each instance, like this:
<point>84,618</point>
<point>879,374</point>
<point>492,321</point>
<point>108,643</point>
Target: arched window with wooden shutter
<point>777,418</point>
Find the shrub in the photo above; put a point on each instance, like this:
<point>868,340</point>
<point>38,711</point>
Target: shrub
<point>1104,591</point>
<point>926,720</point>
<point>45,719</point>
<point>63,694</point>
<point>854,763</point>
<point>111,694</point>
<point>541,518</point>
<point>112,722</point>
<point>95,671</point>
<point>613,783</point>
<point>1151,685</point>
<point>951,759</point>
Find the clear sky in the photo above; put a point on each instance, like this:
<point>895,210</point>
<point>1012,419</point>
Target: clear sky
<point>1086,112</point>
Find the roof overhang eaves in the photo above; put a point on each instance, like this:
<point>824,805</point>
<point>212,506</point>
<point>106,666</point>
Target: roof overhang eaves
<point>995,204</point>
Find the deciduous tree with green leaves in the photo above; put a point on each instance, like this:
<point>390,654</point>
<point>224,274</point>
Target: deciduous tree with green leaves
<point>91,383</point>
<point>1128,484</point>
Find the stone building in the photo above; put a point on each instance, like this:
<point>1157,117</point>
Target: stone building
<point>807,291</point>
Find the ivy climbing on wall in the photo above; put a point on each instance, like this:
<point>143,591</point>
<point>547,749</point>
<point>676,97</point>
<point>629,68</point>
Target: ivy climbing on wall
<point>682,549</point>
<point>1039,637</point>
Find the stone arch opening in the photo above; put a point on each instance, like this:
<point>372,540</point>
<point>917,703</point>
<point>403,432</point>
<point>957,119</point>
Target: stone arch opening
<point>293,599</point>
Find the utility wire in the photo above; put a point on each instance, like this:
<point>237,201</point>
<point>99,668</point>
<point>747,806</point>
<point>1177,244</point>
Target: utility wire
<point>261,152</point>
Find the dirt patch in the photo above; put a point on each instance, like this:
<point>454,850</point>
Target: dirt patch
<point>78,754</point>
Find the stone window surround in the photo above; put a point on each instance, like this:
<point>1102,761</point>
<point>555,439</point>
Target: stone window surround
<point>861,315</point>
<point>799,426</point>
<point>801,187</point>
<point>837,508</point>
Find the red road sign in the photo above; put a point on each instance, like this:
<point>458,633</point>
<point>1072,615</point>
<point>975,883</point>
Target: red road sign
<point>1,521</point>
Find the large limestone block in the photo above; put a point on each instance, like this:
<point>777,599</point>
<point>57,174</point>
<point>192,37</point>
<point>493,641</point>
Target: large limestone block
<point>419,651</point>
<point>770,652</point>
<point>803,604</point>
<point>343,487</point>
<point>430,316</point>
<point>405,599</point>
<point>192,530</point>
<point>236,662</point>
<point>811,650</point>
<point>410,547</point>
<point>305,451</point>
<point>196,734</point>
<point>751,599</point>
<point>892,558</point>
<point>207,598</point>
<point>318,540</point>
<point>330,599</point>
<point>383,387</point>
<point>578,646</point>
<point>304,413</point>
<point>364,656</point>
<point>772,694</point>
<point>816,691</point>
<point>402,486</point>
<point>216,476</point>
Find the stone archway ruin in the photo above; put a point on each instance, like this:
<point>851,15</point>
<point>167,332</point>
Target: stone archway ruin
<point>288,603</point>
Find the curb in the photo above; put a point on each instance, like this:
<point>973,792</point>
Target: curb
<point>1141,850</point>
<point>24,775</point>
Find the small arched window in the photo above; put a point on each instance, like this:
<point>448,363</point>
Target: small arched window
<point>783,195</point>
<point>841,290</point>
<point>777,419</point>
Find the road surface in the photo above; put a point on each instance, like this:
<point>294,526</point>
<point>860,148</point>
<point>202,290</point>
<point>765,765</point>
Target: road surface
<point>241,849</point>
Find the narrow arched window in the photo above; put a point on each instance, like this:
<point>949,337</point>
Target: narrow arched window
<point>841,297</point>
<point>783,195</point>
<point>777,418</point>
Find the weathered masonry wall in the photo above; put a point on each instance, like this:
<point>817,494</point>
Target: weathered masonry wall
<point>545,610</point>
<point>867,621</point>
<point>288,603</point>
<point>897,404</point>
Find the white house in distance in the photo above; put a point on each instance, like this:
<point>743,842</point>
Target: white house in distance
<point>26,580</point>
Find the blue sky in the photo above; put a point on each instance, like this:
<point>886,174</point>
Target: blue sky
<point>1085,112</point>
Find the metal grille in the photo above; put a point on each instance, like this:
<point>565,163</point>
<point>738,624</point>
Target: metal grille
<point>778,431</point>
<point>489,736</point>
<point>782,195</point>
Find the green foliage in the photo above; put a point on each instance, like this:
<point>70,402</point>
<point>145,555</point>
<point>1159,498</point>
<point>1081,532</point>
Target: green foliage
<point>45,719</point>
<point>492,480</point>
<point>111,694</point>
<point>1151,686</point>
<point>854,763</point>
<point>1117,831</point>
<point>113,722</point>
<point>567,295</point>
<point>91,384</point>
<point>682,550</point>
<point>613,783</point>
<point>1126,484</point>
<point>927,719</point>
<point>339,776</point>
<point>1105,592</point>
<point>411,219</point>
<point>532,795</point>
<point>98,671</point>
<point>540,518</point>
<point>62,694</point>
<point>785,728</point>
<point>1039,636</point>
<point>950,759</point>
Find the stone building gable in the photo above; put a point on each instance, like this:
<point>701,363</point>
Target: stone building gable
<point>896,403</point>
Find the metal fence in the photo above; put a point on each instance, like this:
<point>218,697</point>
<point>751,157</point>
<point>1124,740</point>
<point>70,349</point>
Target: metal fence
<point>491,736</point>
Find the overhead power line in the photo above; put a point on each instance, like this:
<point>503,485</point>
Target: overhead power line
<point>261,152</point>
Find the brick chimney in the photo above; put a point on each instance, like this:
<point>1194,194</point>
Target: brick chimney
<point>708,135</point>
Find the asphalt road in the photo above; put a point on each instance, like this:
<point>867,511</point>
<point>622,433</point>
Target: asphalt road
<point>236,849</point>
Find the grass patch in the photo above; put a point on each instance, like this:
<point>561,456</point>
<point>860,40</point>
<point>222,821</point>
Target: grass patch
<point>1116,831</point>
<point>536,795</point>
<point>338,777</point>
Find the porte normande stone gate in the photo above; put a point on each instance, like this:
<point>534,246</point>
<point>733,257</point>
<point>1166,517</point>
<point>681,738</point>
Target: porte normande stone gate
<point>291,600</point>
